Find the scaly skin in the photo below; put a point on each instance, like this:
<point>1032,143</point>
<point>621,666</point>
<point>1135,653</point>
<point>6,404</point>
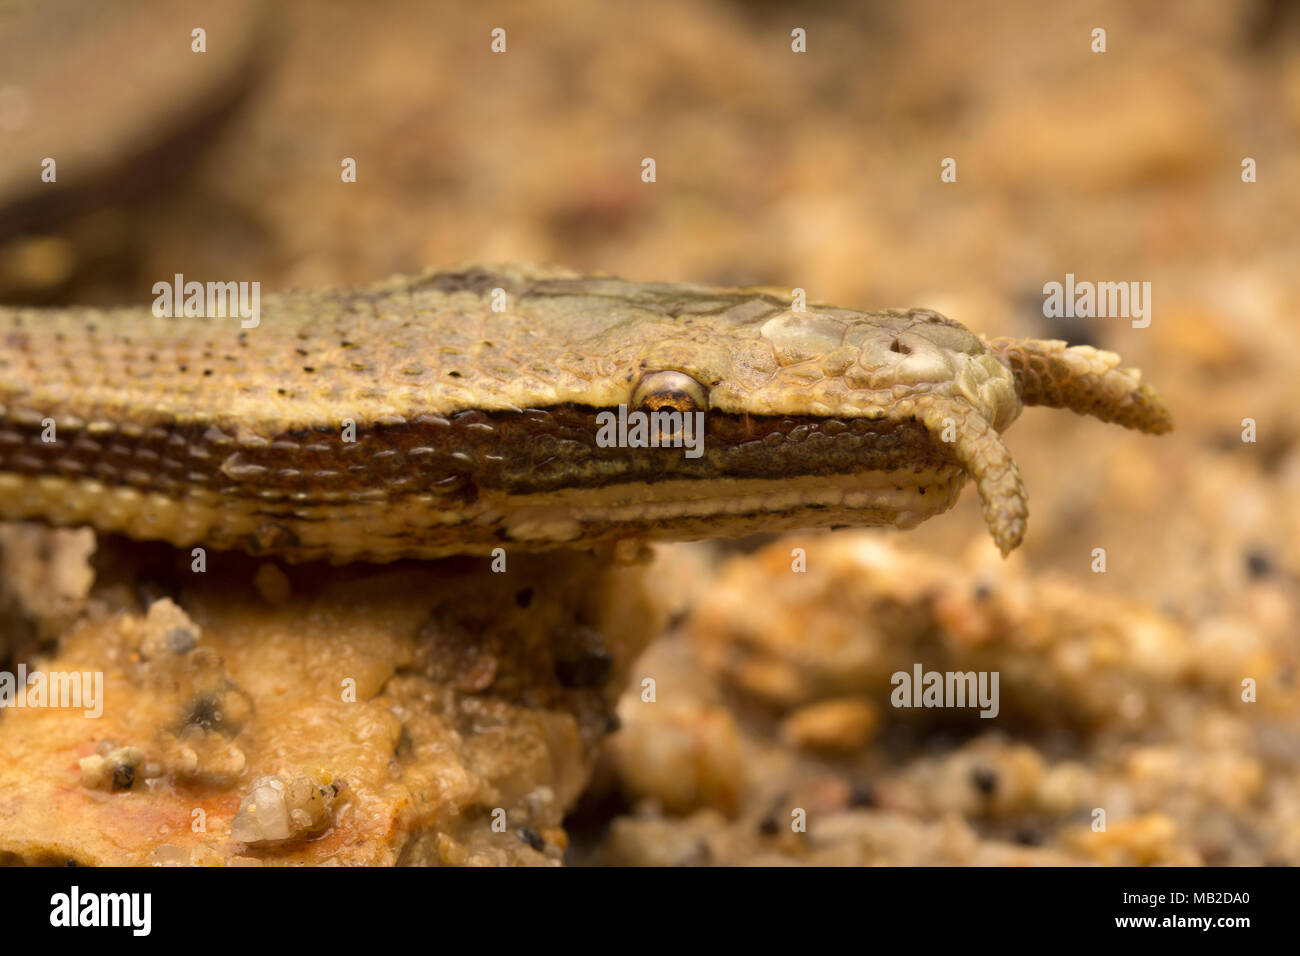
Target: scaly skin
<point>476,428</point>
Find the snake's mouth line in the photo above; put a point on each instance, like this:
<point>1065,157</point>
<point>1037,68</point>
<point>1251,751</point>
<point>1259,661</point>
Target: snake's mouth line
<point>901,498</point>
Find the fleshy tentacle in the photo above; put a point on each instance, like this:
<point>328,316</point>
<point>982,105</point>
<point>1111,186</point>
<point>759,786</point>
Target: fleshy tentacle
<point>980,450</point>
<point>1084,380</point>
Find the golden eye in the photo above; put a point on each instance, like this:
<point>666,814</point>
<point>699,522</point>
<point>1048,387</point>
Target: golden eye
<point>670,391</point>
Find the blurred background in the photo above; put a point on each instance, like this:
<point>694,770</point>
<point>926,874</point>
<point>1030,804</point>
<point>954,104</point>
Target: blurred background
<point>819,170</point>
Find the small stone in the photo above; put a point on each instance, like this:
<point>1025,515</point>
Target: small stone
<point>581,660</point>
<point>985,780</point>
<point>1258,564</point>
<point>93,771</point>
<point>181,640</point>
<point>128,756</point>
<point>262,815</point>
<point>272,811</point>
<point>843,725</point>
<point>532,838</point>
<point>169,855</point>
<point>273,585</point>
<point>862,795</point>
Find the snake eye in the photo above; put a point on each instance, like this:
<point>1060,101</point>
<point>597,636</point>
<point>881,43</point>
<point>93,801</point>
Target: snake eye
<point>670,391</point>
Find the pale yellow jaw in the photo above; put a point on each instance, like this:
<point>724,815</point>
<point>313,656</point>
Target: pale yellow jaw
<point>727,507</point>
<point>421,526</point>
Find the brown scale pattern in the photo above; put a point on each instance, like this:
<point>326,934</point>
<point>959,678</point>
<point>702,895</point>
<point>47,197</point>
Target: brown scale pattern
<point>552,449</point>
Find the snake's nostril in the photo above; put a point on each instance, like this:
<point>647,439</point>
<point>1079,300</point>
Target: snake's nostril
<point>900,348</point>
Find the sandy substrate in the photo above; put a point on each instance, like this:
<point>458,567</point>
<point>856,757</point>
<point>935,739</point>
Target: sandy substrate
<point>1117,734</point>
<point>414,714</point>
